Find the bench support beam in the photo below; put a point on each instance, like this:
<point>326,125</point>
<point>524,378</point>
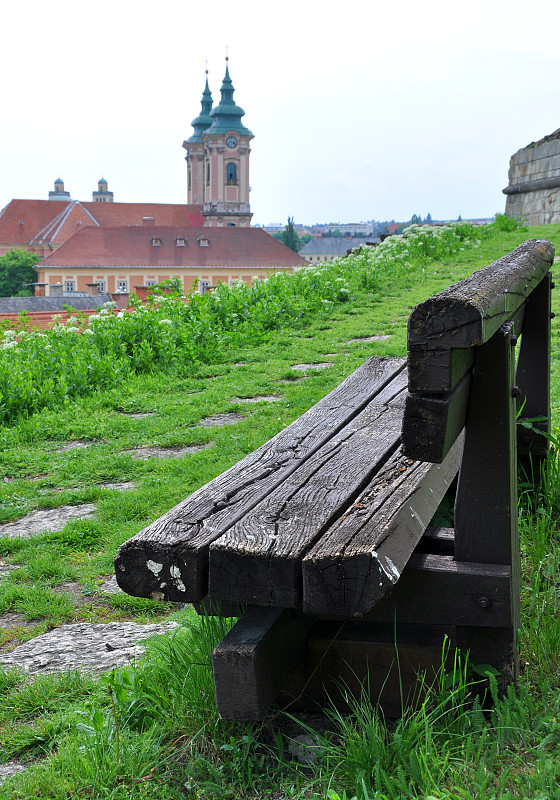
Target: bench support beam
<point>486,503</point>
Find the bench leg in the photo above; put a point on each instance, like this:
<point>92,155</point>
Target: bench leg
<point>486,503</point>
<point>253,660</point>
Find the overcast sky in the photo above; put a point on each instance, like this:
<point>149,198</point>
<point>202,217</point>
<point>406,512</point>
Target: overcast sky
<point>360,110</point>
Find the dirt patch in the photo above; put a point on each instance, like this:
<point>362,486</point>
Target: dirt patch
<point>46,519</point>
<point>259,398</point>
<point>144,453</point>
<point>74,445</point>
<point>5,569</point>
<point>220,420</point>
<point>10,769</point>
<point>305,367</point>
<point>11,619</point>
<point>75,591</point>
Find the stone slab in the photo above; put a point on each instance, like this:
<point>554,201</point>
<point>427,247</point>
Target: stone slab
<point>46,519</point>
<point>94,648</point>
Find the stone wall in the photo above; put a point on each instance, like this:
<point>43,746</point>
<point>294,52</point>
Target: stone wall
<point>533,193</point>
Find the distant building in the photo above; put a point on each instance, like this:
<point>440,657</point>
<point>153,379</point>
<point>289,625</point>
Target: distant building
<point>218,161</point>
<point>329,247</point>
<point>102,195</point>
<point>132,258</point>
<point>42,226</point>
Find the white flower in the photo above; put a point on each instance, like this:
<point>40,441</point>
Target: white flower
<point>89,332</point>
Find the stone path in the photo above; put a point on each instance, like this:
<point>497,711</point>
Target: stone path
<point>96,648</point>
<point>144,453</point>
<point>46,519</point>
<point>320,365</point>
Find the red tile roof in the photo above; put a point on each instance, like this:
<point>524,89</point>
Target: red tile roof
<point>34,222</point>
<point>132,246</point>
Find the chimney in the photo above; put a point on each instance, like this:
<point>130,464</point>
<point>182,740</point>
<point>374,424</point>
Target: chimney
<point>147,221</point>
<point>93,289</point>
<point>55,289</point>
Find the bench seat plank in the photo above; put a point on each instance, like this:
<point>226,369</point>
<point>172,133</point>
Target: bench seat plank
<point>364,553</point>
<point>168,560</point>
<point>258,560</point>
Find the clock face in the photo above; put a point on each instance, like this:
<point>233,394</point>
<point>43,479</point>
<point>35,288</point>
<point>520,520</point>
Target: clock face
<point>231,141</point>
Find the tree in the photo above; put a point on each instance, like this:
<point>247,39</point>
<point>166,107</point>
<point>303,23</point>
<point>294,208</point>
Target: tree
<point>16,269</point>
<point>289,236</point>
<point>416,219</point>
<point>428,217</point>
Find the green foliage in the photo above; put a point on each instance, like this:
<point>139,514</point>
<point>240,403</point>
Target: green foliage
<point>507,223</point>
<point>16,269</point>
<point>290,237</point>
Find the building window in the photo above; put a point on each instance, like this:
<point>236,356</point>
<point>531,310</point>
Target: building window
<point>231,174</point>
<point>68,286</point>
<point>181,242</point>
<point>207,173</point>
<point>151,282</point>
<point>101,287</point>
<point>204,287</point>
<point>203,241</point>
<point>156,241</point>
<point>122,286</point>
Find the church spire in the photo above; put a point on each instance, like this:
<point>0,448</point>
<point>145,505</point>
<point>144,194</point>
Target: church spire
<point>204,120</point>
<point>226,116</point>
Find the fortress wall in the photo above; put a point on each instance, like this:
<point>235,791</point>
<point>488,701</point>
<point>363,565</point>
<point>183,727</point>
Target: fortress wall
<point>533,193</point>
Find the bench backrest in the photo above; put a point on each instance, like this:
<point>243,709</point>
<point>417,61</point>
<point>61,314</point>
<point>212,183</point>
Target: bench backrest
<point>446,334</point>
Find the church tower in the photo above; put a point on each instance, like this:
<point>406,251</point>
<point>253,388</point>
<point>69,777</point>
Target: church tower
<point>218,161</point>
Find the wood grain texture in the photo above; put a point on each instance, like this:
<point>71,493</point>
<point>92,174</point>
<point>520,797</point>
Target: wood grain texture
<point>168,560</point>
<point>437,371</point>
<point>432,423</point>
<point>438,589</point>
<point>471,311</point>
<point>363,554</point>
<point>259,559</point>
<point>252,661</point>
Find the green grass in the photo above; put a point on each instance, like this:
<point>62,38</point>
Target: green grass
<point>153,731</point>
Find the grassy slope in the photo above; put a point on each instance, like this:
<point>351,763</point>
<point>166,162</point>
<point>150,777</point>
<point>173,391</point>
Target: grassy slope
<point>84,551</point>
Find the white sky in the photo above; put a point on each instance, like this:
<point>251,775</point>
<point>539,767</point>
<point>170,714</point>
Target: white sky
<point>359,111</point>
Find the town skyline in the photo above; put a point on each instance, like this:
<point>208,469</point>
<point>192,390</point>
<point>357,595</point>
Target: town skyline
<point>380,118</point>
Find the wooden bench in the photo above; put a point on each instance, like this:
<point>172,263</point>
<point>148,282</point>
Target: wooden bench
<point>324,531</point>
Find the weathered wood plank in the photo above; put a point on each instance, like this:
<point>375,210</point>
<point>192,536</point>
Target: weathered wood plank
<point>471,311</point>
<point>433,422</point>
<point>533,373</point>
<point>252,661</point>
<point>437,371</point>
<point>486,503</point>
<point>438,541</point>
<point>438,589</point>
<point>168,560</point>
<point>259,559</point>
<point>363,554</point>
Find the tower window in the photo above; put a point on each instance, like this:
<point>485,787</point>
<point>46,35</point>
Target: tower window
<point>231,174</point>
<point>207,173</point>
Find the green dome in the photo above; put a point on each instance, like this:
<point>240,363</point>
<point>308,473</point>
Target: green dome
<point>226,116</point>
<point>204,120</point>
